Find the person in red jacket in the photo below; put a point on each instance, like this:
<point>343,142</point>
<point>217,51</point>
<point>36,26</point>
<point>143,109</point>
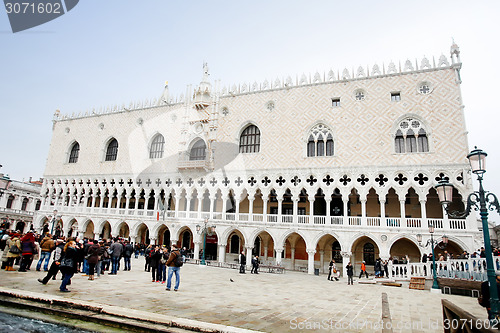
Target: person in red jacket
<point>363,270</point>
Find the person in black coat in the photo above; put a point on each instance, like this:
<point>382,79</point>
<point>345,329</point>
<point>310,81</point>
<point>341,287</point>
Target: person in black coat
<point>350,273</point>
<point>154,262</point>
<point>68,264</point>
<point>243,262</point>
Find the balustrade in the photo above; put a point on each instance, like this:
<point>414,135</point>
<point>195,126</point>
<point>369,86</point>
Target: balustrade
<point>468,269</point>
<point>369,222</point>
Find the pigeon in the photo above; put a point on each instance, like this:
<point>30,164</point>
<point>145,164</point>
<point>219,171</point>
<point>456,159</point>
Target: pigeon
<point>231,280</point>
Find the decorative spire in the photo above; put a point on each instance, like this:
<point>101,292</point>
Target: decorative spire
<point>202,93</point>
<point>165,97</point>
<point>455,53</point>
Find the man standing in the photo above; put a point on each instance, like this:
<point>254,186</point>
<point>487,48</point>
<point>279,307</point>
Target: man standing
<point>47,245</point>
<point>243,262</point>
<point>174,267</point>
<point>350,273</point>
<point>255,265</point>
<point>127,254</point>
<point>116,251</point>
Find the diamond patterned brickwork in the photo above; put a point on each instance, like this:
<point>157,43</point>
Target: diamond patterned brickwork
<point>363,130</point>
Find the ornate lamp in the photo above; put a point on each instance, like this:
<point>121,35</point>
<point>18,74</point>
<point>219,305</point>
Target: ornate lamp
<point>481,201</point>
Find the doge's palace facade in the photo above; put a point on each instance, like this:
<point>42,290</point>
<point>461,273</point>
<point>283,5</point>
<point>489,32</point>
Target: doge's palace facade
<point>340,165</point>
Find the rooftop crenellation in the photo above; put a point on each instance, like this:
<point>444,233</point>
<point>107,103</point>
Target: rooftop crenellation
<point>288,82</point>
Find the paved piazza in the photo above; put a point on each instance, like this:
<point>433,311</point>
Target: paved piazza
<point>266,302</point>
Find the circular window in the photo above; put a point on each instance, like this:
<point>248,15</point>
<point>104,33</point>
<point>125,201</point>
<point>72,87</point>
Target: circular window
<point>359,95</point>
<point>140,121</point>
<point>270,106</point>
<point>198,128</point>
<point>101,126</point>
<point>425,88</point>
<point>66,129</point>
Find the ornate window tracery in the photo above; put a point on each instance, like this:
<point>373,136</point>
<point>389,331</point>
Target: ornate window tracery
<point>411,137</point>
<point>320,141</point>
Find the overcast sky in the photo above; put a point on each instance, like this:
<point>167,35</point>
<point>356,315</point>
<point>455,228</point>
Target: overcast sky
<point>110,52</point>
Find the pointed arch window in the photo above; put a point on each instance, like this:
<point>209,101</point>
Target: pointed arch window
<point>157,146</point>
<point>320,142</point>
<point>198,151</point>
<point>75,151</point>
<point>112,150</point>
<point>411,137</point>
<point>250,140</point>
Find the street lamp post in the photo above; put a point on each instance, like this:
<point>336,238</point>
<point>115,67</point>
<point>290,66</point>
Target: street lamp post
<point>433,243</point>
<point>478,200</point>
<point>205,229</point>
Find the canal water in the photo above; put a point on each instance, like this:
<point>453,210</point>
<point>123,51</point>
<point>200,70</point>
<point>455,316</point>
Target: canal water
<point>20,320</point>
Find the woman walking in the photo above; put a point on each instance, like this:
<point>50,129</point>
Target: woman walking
<point>14,251</point>
<point>28,249</point>
<point>68,264</point>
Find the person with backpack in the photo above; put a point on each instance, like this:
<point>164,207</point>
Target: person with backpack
<point>174,264</point>
<point>127,254</point>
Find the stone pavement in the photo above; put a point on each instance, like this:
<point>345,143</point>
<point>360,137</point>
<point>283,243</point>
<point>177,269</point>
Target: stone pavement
<point>265,302</point>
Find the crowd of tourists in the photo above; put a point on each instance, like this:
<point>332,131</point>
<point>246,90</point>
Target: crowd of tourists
<point>88,257</point>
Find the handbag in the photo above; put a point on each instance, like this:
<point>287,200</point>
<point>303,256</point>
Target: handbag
<point>67,262</point>
<point>14,249</point>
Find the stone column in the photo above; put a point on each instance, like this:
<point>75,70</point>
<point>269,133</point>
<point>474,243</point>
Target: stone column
<point>402,204</point>
<point>346,258</point>
<point>249,255</point>
<point>292,257</point>
<point>328,199</point>
<point>322,261</point>
<point>96,235</point>
<point>153,240</point>
<point>211,207</point>
<point>346,211</point>
<point>224,206</point>
<point>311,209</point>
<point>196,254</point>
<point>280,206</point>
<point>250,208</point>
<point>264,208</point>
<point>382,213</point>
<point>177,203</point>
<point>80,234</point>
<point>278,255</point>
<point>295,200</point>
<point>265,252</point>
<point>136,203</point>
<point>222,252</point>
<point>424,213</point>
<point>200,203</point>
<point>310,261</point>
<point>363,212</point>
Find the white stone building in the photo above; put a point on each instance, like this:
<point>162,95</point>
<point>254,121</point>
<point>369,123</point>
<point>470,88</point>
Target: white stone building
<point>18,203</point>
<point>298,170</point>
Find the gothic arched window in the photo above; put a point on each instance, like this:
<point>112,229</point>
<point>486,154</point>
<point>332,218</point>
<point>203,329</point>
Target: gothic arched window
<point>112,150</point>
<point>320,141</point>
<point>73,155</point>
<point>369,254</point>
<point>411,137</point>
<point>198,151</point>
<point>235,244</point>
<point>250,140</point>
<point>156,149</point>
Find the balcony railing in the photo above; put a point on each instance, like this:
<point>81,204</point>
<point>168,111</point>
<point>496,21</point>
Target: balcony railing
<point>256,218</point>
